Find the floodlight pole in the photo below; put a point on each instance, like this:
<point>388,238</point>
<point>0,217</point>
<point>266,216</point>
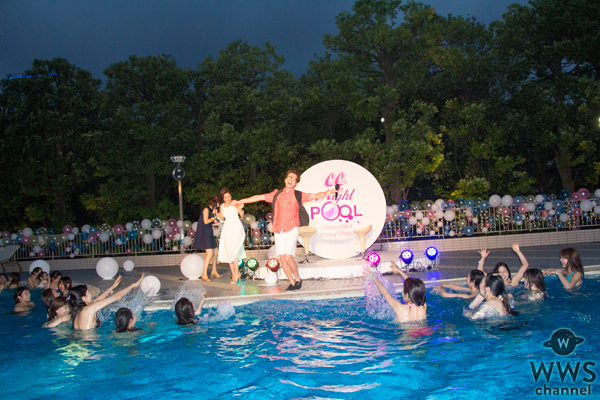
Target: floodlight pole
<point>178,174</point>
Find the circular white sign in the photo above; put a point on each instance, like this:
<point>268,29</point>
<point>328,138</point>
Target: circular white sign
<point>360,203</point>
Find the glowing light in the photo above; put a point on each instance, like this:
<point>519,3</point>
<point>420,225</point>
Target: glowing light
<point>407,256</point>
<point>373,259</point>
<point>431,253</point>
<point>241,263</point>
<point>273,264</point>
<point>252,264</point>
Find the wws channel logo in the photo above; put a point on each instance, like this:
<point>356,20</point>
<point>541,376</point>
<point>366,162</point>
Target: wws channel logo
<point>563,343</point>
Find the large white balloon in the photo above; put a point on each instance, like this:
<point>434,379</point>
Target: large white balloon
<point>539,198</point>
<point>419,215</point>
<point>150,285</point>
<point>449,215</point>
<point>187,241</point>
<point>156,234</point>
<point>412,220</point>
<point>439,214</point>
<point>107,268</point>
<point>548,205</point>
<point>128,266</point>
<point>270,227</point>
<point>192,266</point>
<point>128,226</point>
<point>530,207</point>
<point>147,238</point>
<point>271,278</point>
<point>39,263</point>
<point>195,226</point>
<point>425,221</point>
<point>495,200</point>
<point>597,209</point>
<point>585,205</point>
<point>27,232</point>
<point>564,217</point>
<point>597,193</point>
<point>104,237</point>
<point>85,228</point>
<point>75,230</point>
<point>254,225</point>
<point>507,201</point>
<point>146,224</point>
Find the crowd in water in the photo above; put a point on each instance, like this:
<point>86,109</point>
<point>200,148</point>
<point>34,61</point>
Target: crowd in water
<point>487,293</point>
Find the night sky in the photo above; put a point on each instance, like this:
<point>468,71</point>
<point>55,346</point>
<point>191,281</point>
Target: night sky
<point>93,34</point>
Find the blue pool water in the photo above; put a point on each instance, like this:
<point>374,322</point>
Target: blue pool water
<point>327,349</point>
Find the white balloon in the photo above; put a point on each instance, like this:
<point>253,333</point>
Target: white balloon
<point>564,217</point>
<point>435,207</point>
<point>167,240</point>
<point>475,220</point>
<point>419,215</point>
<point>439,214</point>
<point>451,233</point>
<point>146,224</point>
<point>419,230</point>
<point>519,223</point>
<point>72,255</point>
<point>539,198</point>
<point>71,236</point>
<point>118,242</point>
<point>195,226</point>
<point>150,285</point>
<point>37,249</point>
<point>552,212</point>
<point>107,268</point>
<point>85,228</point>
<point>43,264</point>
<point>439,202</point>
<point>495,200</point>
<point>271,278</point>
<point>597,193</point>
<point>548,205</point>
<point>27,232</point>
<point>530,207</point>
<point>431,232</point>
<point>597,209</point>
<point>180,223</point>
<point>192,266</point>
<point>187,241</point>
<point>254,225</point>
<point>68,249</point>
<point>425,221</point>
<point>175,248</point>
<point>484,229</point>
<point>585,205</point>
<point>41,240</point>
<point>532,217</point>
<point>177,237</point>
<point>75,230</point>
<point>440,224</point>
<point>104,237</point>
<point>128,226</point>
<point>156,234</point>
<point>147,238</point>
<point>412,220</point>
<point>394,207</point>
<point>270,227</point>
<point>507,201</point>
<point>389,210</point>
<point>128,266</point>
<point>449,216</point>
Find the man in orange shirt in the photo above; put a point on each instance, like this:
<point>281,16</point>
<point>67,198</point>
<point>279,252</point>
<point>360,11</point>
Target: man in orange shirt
<point>286,221</point>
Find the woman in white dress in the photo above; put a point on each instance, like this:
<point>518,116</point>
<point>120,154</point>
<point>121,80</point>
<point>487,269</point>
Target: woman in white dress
<point>231,243</point>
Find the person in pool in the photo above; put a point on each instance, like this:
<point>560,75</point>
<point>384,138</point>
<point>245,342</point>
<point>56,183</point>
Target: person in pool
<point>3,282</point>
<point>535,284</point>
<point>23,301</point>
<point>58,312</point>
<point>125,320</point>
<point>492,299</point>
<point>14,280</point>
<point>413,292</point>
<point>474,278</point>
<point>186,312</point>
<point>44,282</point>
<point>571,273</point>
<point>502,269</point>
<point>34,280</point>
<point>55,279</point>
<point>47,296</point>
<point>83,310</point>
<point>64,285</point>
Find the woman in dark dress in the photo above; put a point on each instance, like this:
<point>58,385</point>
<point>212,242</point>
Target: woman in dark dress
<point>205,238</point>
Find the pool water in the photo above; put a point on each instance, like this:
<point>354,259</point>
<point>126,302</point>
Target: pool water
<point>326,349</point>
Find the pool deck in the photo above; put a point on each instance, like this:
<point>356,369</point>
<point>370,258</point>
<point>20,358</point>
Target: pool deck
<point>451,267</point>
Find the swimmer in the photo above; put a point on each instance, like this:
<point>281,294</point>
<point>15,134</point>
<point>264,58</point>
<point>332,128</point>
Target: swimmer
<point>125,320</point>
<point>14,280</point>
<point>473,281</point>
<point>44,280</point>
<point>84,311</point>
<point>22,300</point>
<point>413,292</point>
<point>571,274</point>
<point>186,312</point>
<point>47,296</point>
<point>534,283</point>
<point>3,282</point>
<point>502,269</point>
<point>58,312</point>
<point>493,292</point>
<point>64,285</point>
<point>55,279</point>
<point>34,279</point>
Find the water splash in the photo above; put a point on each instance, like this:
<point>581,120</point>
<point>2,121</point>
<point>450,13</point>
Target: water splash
<point>224,311</point>
<point>377,306</point>
<point>190,291</point>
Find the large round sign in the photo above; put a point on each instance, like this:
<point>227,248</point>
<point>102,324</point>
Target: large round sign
<point>360,202</point>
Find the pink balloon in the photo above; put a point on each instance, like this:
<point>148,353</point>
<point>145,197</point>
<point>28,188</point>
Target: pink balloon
<point>128,250</point>
<point>256,232</point>
<point>575,196</point>
<point>269,216</point>
<point>26,239</point>
<point>172,222</point>
<point>470,218</point>
<point>452,203</point>
<point>118,229</point>
<point>170,235</point>
<point>488,224</point>
<point>523,209</point>
<point>430,214</point>
<point>545,212</point>
<point>577,212</point>
<point>67,229</point>
<point>91,238</point>
<point>41,254</point>
<point>506,211</point>
<point>191,233</point>
<point>584,193</point>
<point>5,234</point>
<point>407,214</point>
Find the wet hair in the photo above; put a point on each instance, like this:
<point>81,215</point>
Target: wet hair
<point>496,285</point>
<point>184,311</point>
<point>535,277</point>
<point>67,283</point>
<point>476,275</point>
<point>415,289</point>
<point>47,297</point>
<point>54,275</point>
<point>123,317</point>
<point>213,201</point>
<point>75,300</point>
<point>18,292</point>
<point>293,171</point>
<point>36,271</point>
<point>55,304</point>
<point>496,269</point>
<point>573,260</point>
<point>14,278</point>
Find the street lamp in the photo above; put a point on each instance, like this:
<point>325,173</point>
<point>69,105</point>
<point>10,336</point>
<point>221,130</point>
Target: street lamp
<point>178,175</point>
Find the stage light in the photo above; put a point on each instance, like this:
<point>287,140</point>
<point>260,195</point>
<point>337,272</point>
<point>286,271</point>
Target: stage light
<point>407,256</point>
<point>252,264</point>
<point>273,264</point>
<point>431,253</point>
<point>241,263</point>
<point>373,259</point>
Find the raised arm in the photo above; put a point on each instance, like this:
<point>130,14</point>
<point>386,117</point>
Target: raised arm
<point>320,195</point>
<point>397,270</point>
<point>109,290</point>
<point>99,305</point>
<point>524,264</point>
<point>484,253</point>
<point>199,308</point>
<point>253,199</point>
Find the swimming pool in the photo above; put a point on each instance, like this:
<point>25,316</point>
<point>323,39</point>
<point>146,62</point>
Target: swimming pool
<point>300,349</point>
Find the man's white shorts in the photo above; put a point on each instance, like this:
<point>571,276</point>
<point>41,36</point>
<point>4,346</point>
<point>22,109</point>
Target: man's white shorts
<point>286,242</point>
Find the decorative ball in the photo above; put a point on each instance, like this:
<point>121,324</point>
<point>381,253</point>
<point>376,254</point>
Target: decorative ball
<point>40,263</point>
<point>107,268</point>
<point>147,238</point>
<point>150,285</point>
<point>192,266</point>
<point>128,266</point>
<point>187,241</point>
<point>495,200</point>
<point>271,278</point>
<point>146,224</point>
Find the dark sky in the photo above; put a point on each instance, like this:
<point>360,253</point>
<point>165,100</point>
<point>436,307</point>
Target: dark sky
<point>93,34</point>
